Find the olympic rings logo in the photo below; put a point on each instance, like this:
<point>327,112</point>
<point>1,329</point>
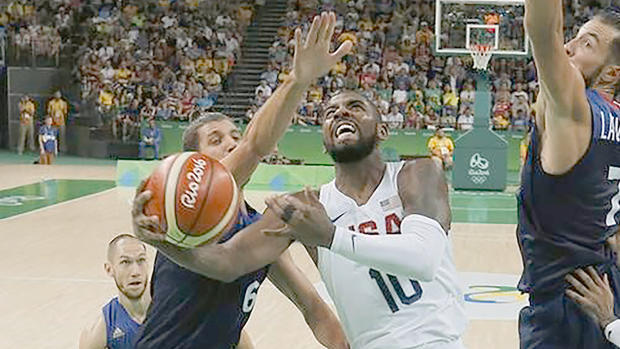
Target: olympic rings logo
<point>478,179</point>
<point>478,161</point>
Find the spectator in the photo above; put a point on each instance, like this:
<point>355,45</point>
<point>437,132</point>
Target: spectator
<point>467,97</point>
<point>450,105</point>
<point>441,149</point>
<point>58,109</point>
<point>394,118</point>
<point>148,111</point>
<point>128,120</point>
<point>519,121</point>
<point>151,138</point>
<point>26,124</point>
<point>432,96</point>
<point>48,142</point>
<point>414,118</point>
<point>108,104</point>
<point>264,88</point>
<point>466,119</point>
<point>431,119</point>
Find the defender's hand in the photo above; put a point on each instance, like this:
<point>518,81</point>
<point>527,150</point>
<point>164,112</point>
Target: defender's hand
<point>312,58</point>
<point>146,228</point>
<point>307,222</point>
<point>593,294</point>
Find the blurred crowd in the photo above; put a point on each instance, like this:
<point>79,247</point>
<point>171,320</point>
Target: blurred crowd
<point>393,65</point>
<point>36,28</point>
<point>159,59</point>
<point>137,60</point>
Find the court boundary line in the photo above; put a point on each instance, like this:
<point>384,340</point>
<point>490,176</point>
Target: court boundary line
<point>56,205</point>
<point>60,279</point>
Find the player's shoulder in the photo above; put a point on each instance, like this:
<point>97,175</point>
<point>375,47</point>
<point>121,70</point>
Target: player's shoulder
<point>419,168</point>
<point>94,334</point>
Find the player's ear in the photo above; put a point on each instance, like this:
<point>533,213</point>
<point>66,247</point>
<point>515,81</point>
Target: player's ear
<point>108,269</point>
<point>383,132</point>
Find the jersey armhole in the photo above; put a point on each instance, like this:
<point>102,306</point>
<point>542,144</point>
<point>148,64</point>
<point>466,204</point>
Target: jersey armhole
<point>579,162</point>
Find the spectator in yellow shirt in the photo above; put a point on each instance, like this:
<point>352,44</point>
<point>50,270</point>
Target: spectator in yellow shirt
<point>26,124</point>
<point>58,109</point>
<point>107,103</point>
<point>441,149</point>
<point>450,106</point>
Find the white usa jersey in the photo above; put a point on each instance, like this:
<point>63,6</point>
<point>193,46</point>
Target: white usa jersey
<point>381,311</point>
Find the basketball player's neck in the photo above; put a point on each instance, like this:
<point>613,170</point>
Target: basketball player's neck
<point>358,180</point>
<point>136,307</point>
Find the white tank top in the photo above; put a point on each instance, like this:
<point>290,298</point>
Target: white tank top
<point>381,311</point>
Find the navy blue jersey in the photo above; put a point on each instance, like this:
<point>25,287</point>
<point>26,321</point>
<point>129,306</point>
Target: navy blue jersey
<point>189,310</point>
<point>564,220</point>
<point>120,328</point>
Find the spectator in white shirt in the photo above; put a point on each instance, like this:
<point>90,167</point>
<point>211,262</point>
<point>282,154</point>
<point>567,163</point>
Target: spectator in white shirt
<point>466,119</point>
<point>394,119</point>
<point>264,89</point>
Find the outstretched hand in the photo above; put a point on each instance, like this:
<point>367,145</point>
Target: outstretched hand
<point>306,221</point>
<point>312,58</point>
<point>146,228</point>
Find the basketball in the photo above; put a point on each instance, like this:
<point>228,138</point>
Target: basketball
<point>194,196</point>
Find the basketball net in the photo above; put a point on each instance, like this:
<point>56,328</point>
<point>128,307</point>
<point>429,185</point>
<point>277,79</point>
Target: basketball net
<point>481,55</point>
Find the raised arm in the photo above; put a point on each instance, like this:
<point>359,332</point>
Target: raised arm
<point>311,60</point>
<point>566,112</point>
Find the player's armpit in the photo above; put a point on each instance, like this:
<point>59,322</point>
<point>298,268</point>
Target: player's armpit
<point>248,250</point>
<point>94,336</point>
<point>423,190</point>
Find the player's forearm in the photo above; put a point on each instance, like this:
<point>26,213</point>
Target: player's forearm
<point>544,20</point>
<point>274,117</point>
<point>211,261</point>
<point>416,253</point>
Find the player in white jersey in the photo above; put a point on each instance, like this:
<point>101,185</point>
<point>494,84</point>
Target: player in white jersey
<point>379,236</point>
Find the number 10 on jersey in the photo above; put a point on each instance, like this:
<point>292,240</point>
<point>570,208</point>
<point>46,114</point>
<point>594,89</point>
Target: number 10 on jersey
<point>400,293</point>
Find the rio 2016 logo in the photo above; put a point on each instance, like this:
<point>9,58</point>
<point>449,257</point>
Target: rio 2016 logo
<point>478,169</point>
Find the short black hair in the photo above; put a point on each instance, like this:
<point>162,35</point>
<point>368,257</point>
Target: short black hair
<point>191,140</point>
<point>362,97</point>
<point>611,17</point>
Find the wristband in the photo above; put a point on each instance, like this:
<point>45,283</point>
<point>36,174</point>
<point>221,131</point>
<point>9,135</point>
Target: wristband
<point>612,332</point>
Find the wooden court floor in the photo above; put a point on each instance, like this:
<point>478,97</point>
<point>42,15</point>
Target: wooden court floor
<point>52,281</point>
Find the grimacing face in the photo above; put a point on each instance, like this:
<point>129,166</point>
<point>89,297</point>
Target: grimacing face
<point>128,266</point>
<point>589,50</point>
<point>350,127</point>
<point>218,138</point>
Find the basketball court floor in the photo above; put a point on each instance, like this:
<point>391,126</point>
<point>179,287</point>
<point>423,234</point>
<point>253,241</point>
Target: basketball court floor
<point>56,222</point>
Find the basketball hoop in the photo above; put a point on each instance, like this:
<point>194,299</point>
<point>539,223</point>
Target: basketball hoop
<point>481,55</point>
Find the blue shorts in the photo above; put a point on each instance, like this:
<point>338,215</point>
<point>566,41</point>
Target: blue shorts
<point>559,323</point>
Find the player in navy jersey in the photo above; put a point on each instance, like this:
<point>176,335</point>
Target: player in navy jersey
<point>119,320</point>
<point>569,197</point>
<point>202,297</point>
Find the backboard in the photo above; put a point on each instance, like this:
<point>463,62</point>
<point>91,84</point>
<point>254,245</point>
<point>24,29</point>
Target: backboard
<point>459,24</point>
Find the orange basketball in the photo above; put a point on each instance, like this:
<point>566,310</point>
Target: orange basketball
<point>195,197</point>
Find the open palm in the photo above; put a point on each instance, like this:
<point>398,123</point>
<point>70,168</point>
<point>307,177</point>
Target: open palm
<point>312,58</point>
